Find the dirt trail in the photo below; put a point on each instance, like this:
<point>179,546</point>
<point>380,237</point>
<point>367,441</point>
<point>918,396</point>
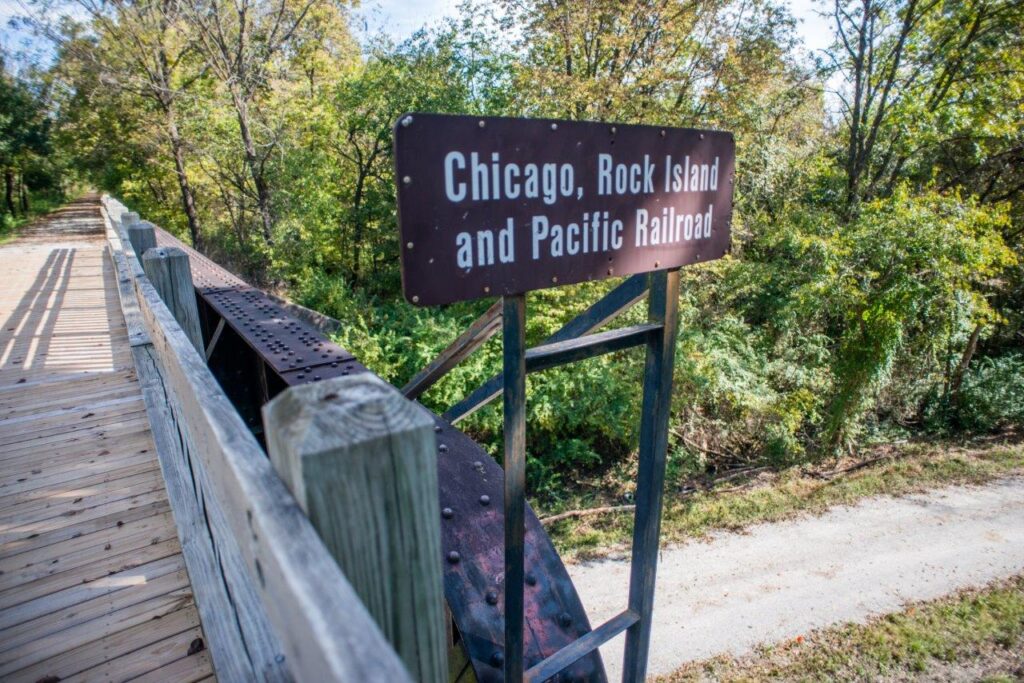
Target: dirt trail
<point>782,580</point>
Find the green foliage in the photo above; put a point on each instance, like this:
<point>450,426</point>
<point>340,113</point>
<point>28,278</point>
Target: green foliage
<point>991,398</point>
<point>875,248</point>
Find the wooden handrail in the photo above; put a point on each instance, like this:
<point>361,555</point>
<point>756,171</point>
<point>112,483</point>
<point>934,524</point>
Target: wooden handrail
<point>323,630</point>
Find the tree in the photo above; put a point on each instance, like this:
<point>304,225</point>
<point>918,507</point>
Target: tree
<point>239,41</point>
<point>24,135</point>
<point>142,49</point>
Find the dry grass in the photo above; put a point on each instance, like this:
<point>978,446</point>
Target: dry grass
<point>971,636</point>
<point>773,496</point>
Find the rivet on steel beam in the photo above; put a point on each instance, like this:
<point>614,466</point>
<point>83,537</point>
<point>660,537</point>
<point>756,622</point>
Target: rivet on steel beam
<point>408,245</point>
<point>492,597</point>
<point>485,499</point>
<point>406,122</point>
<point>702,136</point>
<point>487,290</point>
<point>497,659</point>
<point>447,513</point>
<point>437,428</point>
<point>662,133</point>
<point>565,620</point>
<point>415,299</point>
<point>443,448</point>
<point>554,279</point>
<point>554,126</point>
<point>406,180</point>
<point>454,557</point>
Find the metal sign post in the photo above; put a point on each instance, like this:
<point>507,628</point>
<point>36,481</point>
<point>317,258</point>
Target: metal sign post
<point>514,380</point>
<point>491,206</point>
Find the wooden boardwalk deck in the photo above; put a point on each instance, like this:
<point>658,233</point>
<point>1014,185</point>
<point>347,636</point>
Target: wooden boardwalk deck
<point>92,581</point>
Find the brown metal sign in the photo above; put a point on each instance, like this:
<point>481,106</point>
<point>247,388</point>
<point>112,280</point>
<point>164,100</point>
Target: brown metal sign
<point>493,206</point>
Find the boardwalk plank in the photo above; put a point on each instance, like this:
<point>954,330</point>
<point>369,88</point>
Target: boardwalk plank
<point>93,585</point>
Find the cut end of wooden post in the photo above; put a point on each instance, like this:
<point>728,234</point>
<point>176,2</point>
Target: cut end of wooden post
<point>316,418</point>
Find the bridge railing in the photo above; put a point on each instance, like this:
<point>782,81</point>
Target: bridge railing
<point>273,601</point>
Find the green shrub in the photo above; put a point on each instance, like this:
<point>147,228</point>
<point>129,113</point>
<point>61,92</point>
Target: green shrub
<point>991,398</point>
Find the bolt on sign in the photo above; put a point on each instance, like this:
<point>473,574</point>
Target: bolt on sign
<point>495,206</point>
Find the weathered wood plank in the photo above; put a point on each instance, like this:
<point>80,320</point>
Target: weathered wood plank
<point>216,607</point>
<point>84,657</point>
<point>362,461</point>
<point>327,634</point>
<point>87,574</point>
<point>129,305</point>
<point>48,621</point>
<point>53,644</point>
<point>168,271</point>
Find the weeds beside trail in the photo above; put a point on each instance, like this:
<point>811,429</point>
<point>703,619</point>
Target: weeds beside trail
<point>11,226</point>
<point>972,635</point>
<point>774,496</point>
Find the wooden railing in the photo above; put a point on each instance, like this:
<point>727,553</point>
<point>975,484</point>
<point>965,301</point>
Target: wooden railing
<point>274,603</point>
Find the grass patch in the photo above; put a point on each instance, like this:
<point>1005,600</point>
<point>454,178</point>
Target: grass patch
<point>775,496</point>
<point>972,635</point>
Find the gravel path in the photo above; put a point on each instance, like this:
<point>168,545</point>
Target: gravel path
<point>778,581</point>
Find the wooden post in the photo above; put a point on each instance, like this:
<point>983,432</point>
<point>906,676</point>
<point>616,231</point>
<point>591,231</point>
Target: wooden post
<point>142,235</point>
<point>129,218</point>
<point>168,269</point>
<point>362,462</point>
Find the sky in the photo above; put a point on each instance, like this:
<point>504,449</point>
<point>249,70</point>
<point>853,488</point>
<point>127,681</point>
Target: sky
<point>401,18</point>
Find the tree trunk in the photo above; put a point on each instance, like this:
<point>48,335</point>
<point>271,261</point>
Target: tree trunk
<point>253,164</point>
<point>188,200</point>
<point>23,190</point>
<point>9,191</point>
<point>357,212</point>
<point>965,360</point>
